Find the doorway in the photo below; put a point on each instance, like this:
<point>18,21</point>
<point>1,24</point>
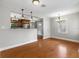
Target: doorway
<point>40,29</point>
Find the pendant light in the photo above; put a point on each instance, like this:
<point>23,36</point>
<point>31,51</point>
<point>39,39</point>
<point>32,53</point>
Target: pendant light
<point>35,2</point>
<point>22,17</point>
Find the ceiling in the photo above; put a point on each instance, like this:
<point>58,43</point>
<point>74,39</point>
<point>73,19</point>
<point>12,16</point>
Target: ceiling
<point>53,7</point>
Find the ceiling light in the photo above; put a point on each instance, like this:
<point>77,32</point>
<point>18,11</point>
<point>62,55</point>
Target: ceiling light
<point>35,2</point>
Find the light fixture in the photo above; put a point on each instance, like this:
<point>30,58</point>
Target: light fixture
<point>35,2</point>
<point>22,17</point>
<point>60,19</point>
<point>31,17</point>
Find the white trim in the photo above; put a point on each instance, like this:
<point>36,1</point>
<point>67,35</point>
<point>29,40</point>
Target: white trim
<point>13,46</point>
<point>66,39</point>
<point>45,37</point>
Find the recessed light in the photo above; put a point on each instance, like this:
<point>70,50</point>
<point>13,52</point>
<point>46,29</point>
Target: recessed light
<point>43,5</point>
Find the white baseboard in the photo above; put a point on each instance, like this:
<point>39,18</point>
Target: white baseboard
<point>45,37</point>
<point>13,46</point>
<point>66,39</point>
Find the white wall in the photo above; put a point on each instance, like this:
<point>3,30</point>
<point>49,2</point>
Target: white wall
<point>10,38</point>
<point>4,17</point>
<point>46,27</point>
<point>72,24</point>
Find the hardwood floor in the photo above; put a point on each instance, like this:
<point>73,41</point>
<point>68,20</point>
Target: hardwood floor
<point>48,48</point>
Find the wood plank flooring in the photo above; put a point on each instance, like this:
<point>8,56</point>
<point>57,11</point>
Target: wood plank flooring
<point>48,48</point>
